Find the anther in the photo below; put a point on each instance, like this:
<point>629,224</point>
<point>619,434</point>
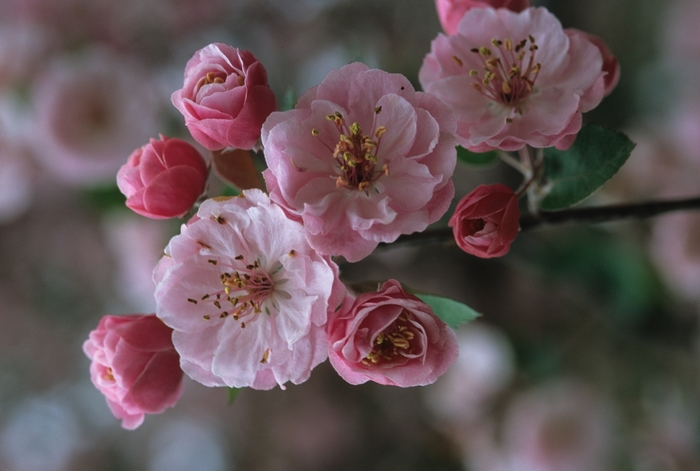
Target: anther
<point>458,61</point>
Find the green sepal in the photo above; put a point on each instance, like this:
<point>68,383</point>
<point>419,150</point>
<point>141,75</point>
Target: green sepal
<point>233,394</point>
<point>476,159</point>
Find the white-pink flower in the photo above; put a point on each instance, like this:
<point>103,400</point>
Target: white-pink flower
<point>514,79</point>
<point>246,296</point>
<point>362,159</point>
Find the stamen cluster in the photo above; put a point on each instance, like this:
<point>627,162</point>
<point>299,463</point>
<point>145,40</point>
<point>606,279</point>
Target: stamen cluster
<point>506,79</point>
<point>356,153</point>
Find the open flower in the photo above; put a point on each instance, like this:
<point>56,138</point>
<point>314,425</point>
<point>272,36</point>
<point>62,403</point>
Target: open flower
<point>390,337</point>
<point>135,365</point>
<point>514,79</point>
<point>451,12</point>
<point>361,160</point>
<point>225,98</point>
<point>163,179</point>
<point>486,221</point>
<point>246,295</point>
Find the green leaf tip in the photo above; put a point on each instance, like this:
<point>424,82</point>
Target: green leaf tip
<point>452,312</point>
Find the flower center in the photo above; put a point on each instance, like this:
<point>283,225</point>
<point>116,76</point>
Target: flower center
<point>355,154</point>
<point>472,226</point>
<point>395,341</point>
<point>245,287</point>
<point>216,77</point>
<point>509,72</point>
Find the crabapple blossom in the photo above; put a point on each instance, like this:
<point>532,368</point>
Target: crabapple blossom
<point>451,12</point>
<point>225,98</point>
<point>486,221</point>
<point>246,296</point>
<point>390,337</point>
<point>514,79</point>
<point>135,365</point>
<point>361,160</point>
<point>163,179</point>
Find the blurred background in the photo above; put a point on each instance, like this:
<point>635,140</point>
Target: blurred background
<point>586,356</point>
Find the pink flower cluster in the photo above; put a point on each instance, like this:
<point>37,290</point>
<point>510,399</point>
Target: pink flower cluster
<point>247,294</point>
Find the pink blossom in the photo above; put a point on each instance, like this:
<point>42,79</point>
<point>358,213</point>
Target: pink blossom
<point>390,337</point>
<point>361,160</point>
<point>514,79</point>
<point>451,12</point>
<point>225,98</point>
<point>486,221</point>
<point>246,295</point>
<point>163,179</point>
<point>135,365</point>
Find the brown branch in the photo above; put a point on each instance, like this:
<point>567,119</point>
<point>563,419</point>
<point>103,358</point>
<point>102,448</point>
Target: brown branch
<point>591,215</point>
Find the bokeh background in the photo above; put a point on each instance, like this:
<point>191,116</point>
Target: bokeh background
<point>586,356</point>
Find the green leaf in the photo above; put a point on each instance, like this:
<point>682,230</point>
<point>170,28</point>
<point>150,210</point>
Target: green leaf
<point>576,173</point>
<point>452,312</point>
<point>233,394</point>
<point>480,159</point>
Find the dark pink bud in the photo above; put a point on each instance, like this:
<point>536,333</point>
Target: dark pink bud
<point>163,179</point>
<point>486,221</point>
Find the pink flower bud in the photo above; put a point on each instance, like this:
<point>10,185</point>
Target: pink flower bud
<point>452,11</point>
<point>390,337</point>
<point>486,221</point>
<point>163,179</point>
<point>225,98</point>
<point>135,365</point>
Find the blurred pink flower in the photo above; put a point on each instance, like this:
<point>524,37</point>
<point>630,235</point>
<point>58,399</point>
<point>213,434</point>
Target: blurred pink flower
<point>390,337</point>
<point>485,366</point>
<point>562,426</point>
<point>486,221</point>
<point>163,179</point>
<point>361,160</point>
<point>225,98</point>
<point>91,112</point>
<point>451,12</point>
<point>135,365</point>
<point>514,79</point>
<point>247,297</point>
<point>675,249</point>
